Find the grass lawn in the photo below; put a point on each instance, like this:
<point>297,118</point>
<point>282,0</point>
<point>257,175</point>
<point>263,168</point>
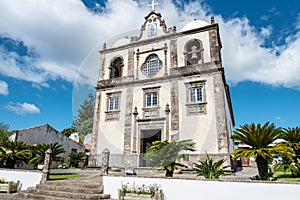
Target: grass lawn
<point>54,176</point>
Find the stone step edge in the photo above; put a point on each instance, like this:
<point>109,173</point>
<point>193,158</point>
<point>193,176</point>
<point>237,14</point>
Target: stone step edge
<point>77,184</point>
<point>33,196</point>
<point>63,194</point>
<point>87,190</point>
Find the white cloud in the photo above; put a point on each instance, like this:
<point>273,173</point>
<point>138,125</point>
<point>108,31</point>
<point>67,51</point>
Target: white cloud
<point>22,108</point>
<point>279,119</point>
<point>63,32</point>
<point>3,88</point>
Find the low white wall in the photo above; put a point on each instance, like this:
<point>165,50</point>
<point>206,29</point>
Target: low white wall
<point>26,178</point>
<point>178,189</point>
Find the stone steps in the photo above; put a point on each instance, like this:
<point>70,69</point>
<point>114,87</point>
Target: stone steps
<point>80,188</point>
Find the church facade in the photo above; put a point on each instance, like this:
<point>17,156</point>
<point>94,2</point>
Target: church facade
<point>163,84</point>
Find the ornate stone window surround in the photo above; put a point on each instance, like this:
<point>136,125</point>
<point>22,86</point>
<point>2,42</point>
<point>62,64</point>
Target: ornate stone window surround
<point>151,66</point>
<point>112,106</point>
<point>116,67</point>
<point>193,51</point>
<point>196,105</point>
<point>151,111</point>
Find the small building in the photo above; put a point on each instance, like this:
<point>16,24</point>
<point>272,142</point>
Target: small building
<point>45,134</point>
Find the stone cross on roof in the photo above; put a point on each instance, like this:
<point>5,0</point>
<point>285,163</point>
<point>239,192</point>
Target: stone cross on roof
<point>152,5</point>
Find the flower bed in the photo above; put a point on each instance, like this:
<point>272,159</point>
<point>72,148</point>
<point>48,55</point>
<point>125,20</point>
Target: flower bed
<point>133,192</point>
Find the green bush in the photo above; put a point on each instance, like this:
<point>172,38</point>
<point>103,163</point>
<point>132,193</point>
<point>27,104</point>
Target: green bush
<point>210,169</point>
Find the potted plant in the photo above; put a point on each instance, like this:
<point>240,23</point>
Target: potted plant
<point>9,186</point>
<point>143,192</point>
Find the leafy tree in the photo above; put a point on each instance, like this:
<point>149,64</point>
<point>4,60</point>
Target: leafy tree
<point>13,152</point>
<point>75,158</point>
<point>85,116</point>
<point>210,169</point>
<point>68,131</point>
<point>259,139</point>
<point>4,134</point>
<point>85,127</point>
<point>40,150</point>
<point>165,154</point>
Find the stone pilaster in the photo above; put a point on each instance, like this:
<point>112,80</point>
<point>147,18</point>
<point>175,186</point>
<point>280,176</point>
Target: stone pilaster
<point>166,60</point>
<point>173,53</point>
<point>128,121</point>
<point>215,45</point>
<point>174,106</point>
<point>102,66</point>
<point>137,64</point>
<point>219,96</point>
<point>94,148</point>
<point>130,62</point>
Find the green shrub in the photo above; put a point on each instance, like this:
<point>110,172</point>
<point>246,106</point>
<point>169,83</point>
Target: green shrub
<point>210,169</point>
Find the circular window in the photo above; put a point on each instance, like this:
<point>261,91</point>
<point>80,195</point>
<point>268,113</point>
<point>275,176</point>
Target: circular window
<point>152,66</point>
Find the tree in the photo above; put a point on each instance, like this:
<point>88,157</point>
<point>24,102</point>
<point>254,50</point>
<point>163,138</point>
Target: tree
<point>259,139</point>
<point>292,138</point>
<point>85,127</point>
<point>68,131</point>
<point>85,116</point>
<point>75,158</point>
<point>4,134</point>
<point>165,154</point>
<point>40,150</point>
<point>13,152</point>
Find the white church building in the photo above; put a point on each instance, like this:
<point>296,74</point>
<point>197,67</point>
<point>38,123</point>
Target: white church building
<point>163,84</point>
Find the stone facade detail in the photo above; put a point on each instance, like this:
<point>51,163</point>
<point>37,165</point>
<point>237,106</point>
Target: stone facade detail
<point>128,121</point>
<point>94,149</point>
<point>174,106</point>
<point>220,114</point>
<point>173,53</point>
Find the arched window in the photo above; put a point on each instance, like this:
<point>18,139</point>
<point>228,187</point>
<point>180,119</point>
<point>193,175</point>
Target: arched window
<point>116,67</point>
<point>151,66</point>
<point>193,52</point>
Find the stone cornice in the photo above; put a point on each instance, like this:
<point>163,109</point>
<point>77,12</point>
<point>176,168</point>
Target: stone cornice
<point>169,36</point>
<point>175,73</point>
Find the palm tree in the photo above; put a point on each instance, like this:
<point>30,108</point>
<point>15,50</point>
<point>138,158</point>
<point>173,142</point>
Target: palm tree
<point>165,154</point>
<point>259,139</point>
<point>77,157</point>
<point>292,138</point>
<point>40,150</point>
<point>13,152</point>
<point>210,169</point>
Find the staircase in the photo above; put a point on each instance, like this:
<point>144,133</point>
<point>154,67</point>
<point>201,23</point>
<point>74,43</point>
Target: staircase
<point>79,188</point>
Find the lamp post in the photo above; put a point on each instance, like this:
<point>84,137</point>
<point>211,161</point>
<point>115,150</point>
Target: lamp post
<point>167,111</point>
<point>135,114</point>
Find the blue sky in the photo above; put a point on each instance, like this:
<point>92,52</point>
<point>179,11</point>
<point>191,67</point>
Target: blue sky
<point>48,61</point>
